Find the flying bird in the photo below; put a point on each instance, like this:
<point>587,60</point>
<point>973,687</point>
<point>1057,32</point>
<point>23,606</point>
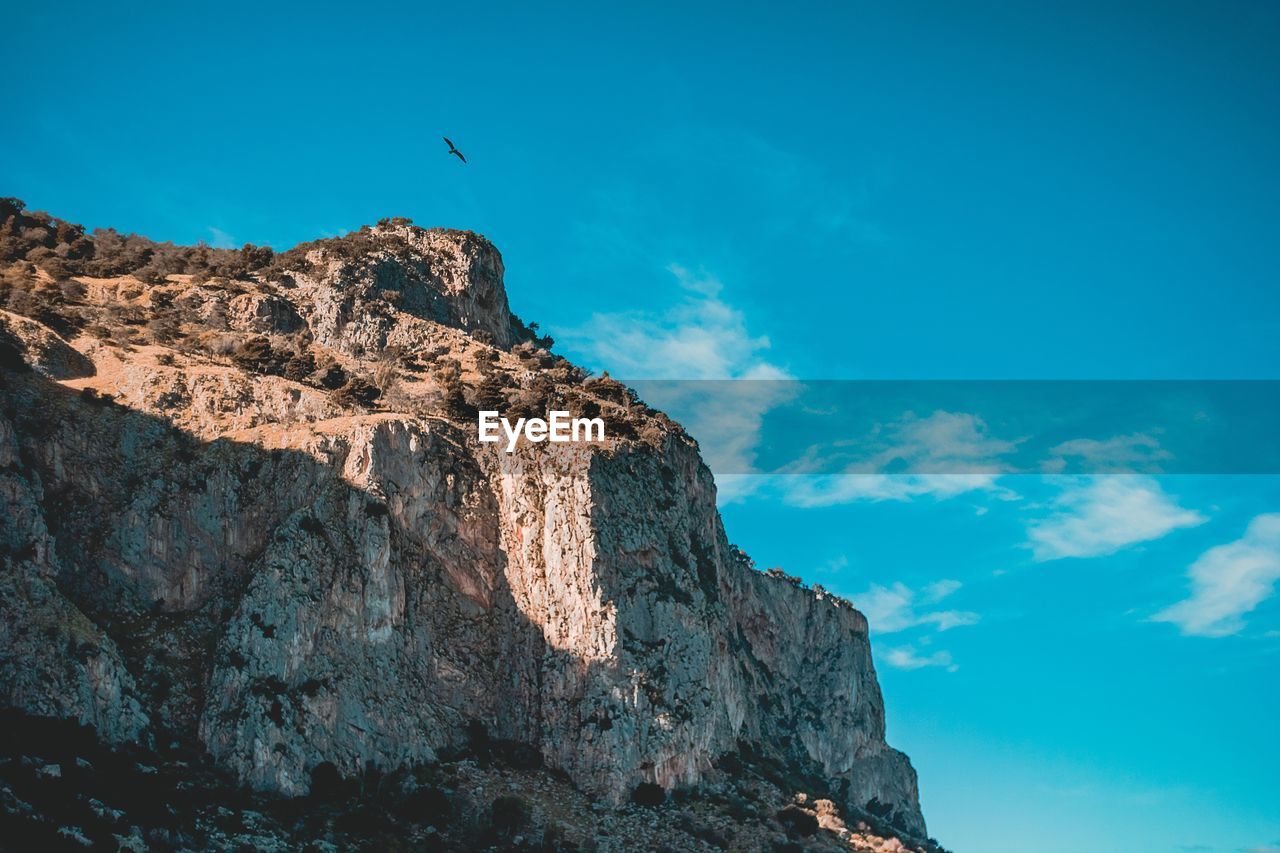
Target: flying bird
<point>453,149</point>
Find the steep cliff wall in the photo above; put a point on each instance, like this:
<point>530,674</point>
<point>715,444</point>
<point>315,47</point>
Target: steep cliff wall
<point>200,550</point>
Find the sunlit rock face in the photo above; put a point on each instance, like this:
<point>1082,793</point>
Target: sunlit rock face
<point>403,280</point>
<point>194,549</point>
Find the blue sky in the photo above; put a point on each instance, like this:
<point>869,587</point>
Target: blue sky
<point>908,191</point>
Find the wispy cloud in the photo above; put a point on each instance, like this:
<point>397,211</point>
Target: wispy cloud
<point>1229,581</point>
<point>901,460</point>
<point>898,607</point>
<point>1136,453</point>
<point>702,337</point>
<point>221,239</point>
<point>816,490</point>
<point>944,441</point>
<point>941,442</point>
<point>907,657</point>
<point>1095,516</point>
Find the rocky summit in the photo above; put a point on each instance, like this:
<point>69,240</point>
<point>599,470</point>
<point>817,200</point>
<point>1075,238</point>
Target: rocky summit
<point>263,586</point>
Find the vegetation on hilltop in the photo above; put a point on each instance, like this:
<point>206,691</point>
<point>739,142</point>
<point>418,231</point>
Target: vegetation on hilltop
<point>180,298</point>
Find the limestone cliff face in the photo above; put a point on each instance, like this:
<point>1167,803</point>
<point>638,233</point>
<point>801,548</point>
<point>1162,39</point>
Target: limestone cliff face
<point>388,292</point>
<point>196,550</point>
<point>55,661</point>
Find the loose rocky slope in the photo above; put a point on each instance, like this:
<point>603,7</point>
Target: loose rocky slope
<point>245,513</point>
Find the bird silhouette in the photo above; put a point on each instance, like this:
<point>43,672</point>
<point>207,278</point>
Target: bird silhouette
<point>453,149</point>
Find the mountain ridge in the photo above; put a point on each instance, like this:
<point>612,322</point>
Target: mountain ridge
<point>251,480</point>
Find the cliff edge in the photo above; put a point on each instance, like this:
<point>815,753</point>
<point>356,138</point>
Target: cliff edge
<point>244,510</point>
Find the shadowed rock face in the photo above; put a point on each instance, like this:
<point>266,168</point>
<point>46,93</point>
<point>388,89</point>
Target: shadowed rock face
<point>235,558</point>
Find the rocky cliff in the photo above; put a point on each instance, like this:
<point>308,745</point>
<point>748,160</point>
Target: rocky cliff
<point>244,507</point>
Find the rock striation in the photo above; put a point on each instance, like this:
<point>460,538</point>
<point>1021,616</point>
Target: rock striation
<point>202,543</point>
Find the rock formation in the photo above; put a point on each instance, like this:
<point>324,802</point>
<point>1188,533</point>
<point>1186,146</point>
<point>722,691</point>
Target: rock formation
<point>250,512</point>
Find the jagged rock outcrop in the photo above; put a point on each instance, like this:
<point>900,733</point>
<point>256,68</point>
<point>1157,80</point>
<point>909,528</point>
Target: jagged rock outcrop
<point>41,349</point>
<point>230,555</point>
<point>392,289</point>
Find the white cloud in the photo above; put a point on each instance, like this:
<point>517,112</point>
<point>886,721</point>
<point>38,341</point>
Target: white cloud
<point>946,442</point>
<point>221,239</point>
<point>939,590</point>
<point>941,455</point>
<point>815,490</point>
<point>906,657</point>
<point>1121,454</point>
<point>896,608</point>
<point>701,338</point>
<point>1095,516</point>
<point>1229,581</point>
